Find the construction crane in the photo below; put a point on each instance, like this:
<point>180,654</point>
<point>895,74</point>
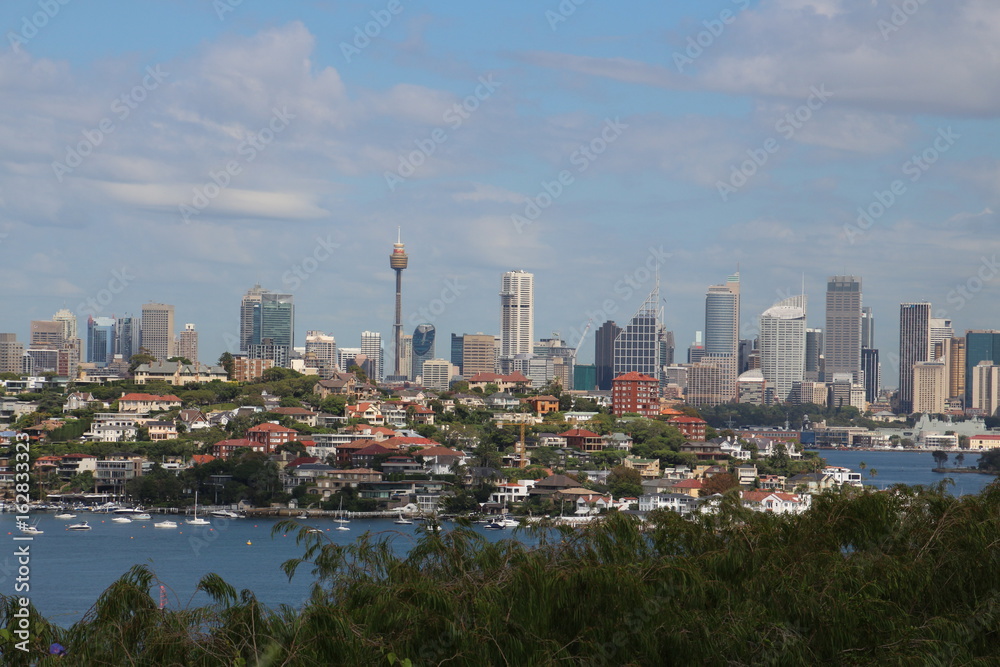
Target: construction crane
<point>519,448</point>
<point>576,350</point>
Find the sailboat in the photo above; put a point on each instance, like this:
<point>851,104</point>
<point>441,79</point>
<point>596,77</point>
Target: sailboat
<point>402,521</point>
<point>196,521</point>
<point>340,517</point>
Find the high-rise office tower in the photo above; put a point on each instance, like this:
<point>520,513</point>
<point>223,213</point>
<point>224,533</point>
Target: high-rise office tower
<point>69,323</point>
<point>980,345</point>
<point>128,336</point>
<point>941,332</point>
<point>746,347</point>
<point>722,325</point>
<point>187,343</point>
<point>346,357</point>
<point>423,348</point>
<point>47,335</point>
<point>604,353</point>
<point>273,331</point>
<point>814,355</point>
<point>696,350</point>
<point>843,326</point>
<point>930,387</point>
<point>667,346</point>
<point>371,347</point>
<point>406,355</point>
<point>517,313</point>
<point>956,368</point>
<point>867,327</point>
<point>158,330</point>
<point>986,388</point>
<point>100,340</point>
<point>914,347</point>
<point>872,373</point>
<point>783,345</point>
<point>457,350</point>
<point>321,350</point>
<point>478,354</point>
<point>247,304</point>
<point>398,261</point>
<point>11,354</point>
<point>636,347</point>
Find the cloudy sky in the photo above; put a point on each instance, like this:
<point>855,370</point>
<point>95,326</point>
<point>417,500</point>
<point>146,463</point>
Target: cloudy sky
<point>182,150</point>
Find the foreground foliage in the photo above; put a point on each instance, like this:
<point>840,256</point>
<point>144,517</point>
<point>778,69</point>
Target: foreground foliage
<point>910,576</point>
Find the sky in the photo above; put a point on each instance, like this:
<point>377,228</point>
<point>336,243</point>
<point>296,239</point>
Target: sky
<point>180,151</point>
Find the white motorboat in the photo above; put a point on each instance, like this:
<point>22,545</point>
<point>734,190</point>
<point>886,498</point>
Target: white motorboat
<point>502,522</point>
<point>121,519</point>
<point>224,514</point>
<point>196,521</point>
<point>402,521</point>
<point>31,530</point>
<point>142,517</point>
<point>78,526</point>
<point>341,527</point>
<point>65,515</point>
<point>165,524</point>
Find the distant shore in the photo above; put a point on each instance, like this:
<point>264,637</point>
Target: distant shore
<point>965,470</point>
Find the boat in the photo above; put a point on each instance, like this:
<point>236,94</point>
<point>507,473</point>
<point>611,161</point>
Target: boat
<point>78,526</point>
<point>31,530</point>
<point>340,516</point>
<point>65,515</point>
<point>167,523</point>
<point>502,522</point>
<point>304,515</point>
<point>142,517</point>
<point>402,521</point>
<point>121,519</point>
<point>197,521</point>
<point>224,514</point>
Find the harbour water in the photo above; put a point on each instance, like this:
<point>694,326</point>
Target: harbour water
<point>69,570</point>
<point>902,467</point>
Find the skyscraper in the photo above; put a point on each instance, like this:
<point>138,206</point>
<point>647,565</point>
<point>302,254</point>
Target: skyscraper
<point>100,340</point>
<point>457,350</point>
<point>517,313</point>
<point>636,347</point>
<point>371,347</point>
<point>398,261</point>
<point>873,373</point>
<point>128,336</point>
<point>11,353</point>
<point>158,330</point>
<point>722,325</point>
<point>980,345</point>
<point>814,355</point>
<point>69,323</point>
<point>604,353</point>
<point>914,347</point>
<point>247,303</point>
<point>187,343</point>
<point>321,350</point>
<point>941,332</point>
<point>273,331</point>
<point>956,368</point>
<point>478,354</point>
<point>985,388</point>
<point>423,348</point>
<point>406,355</point>
<point>843,326</point>
<point>783,345</point>
<point>867,327</point>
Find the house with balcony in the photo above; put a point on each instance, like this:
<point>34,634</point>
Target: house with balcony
<point>583,440</point>
<point>271,435</point>
<point>225,449</point>
<point>161,430</point>
<point>334,480</point>
<point>776,501</point>
<point>144,403</point>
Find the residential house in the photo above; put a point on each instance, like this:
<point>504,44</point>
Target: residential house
<point>271,435</point>
<point>704,451</point>
<point>502,401</point>
<point>367,412</point>
<point>336,479</point>
<point>776,501</point>
<point>161,430</point>
<point>440,460</point>
<point>515,381</point>
<point>307,417</point>
<point>583,440</point>
<point>810,482</point>
<point>147,402</point>
<point>746,474</point>
<point>509,493</point>
<point>178,374</point>
<point>542,405</point>
<point>237,446</point>
<point>193,419</point>
<point>681,503</point>
<point>648,468</point>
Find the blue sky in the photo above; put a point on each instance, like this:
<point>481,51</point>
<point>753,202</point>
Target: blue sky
<point>823,104</point>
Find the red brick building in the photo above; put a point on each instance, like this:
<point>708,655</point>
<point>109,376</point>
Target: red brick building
<point>635,393</point>
<point>271,435</point>
<point>691,428</point>
<point>584,440</point>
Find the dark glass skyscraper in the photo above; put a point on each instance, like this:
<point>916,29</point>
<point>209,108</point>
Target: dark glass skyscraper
<point>914,346</point>
<point>637,346</point>
<point>843,326</point>
<point>100,340</point>
<point>604,353</point>
<point>423,347</point>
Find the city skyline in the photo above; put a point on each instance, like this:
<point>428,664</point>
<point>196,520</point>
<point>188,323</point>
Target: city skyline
<point>864,151</point>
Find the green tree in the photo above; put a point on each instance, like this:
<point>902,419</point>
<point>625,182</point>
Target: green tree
<point>624,481</point>
<point>227,361</point>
